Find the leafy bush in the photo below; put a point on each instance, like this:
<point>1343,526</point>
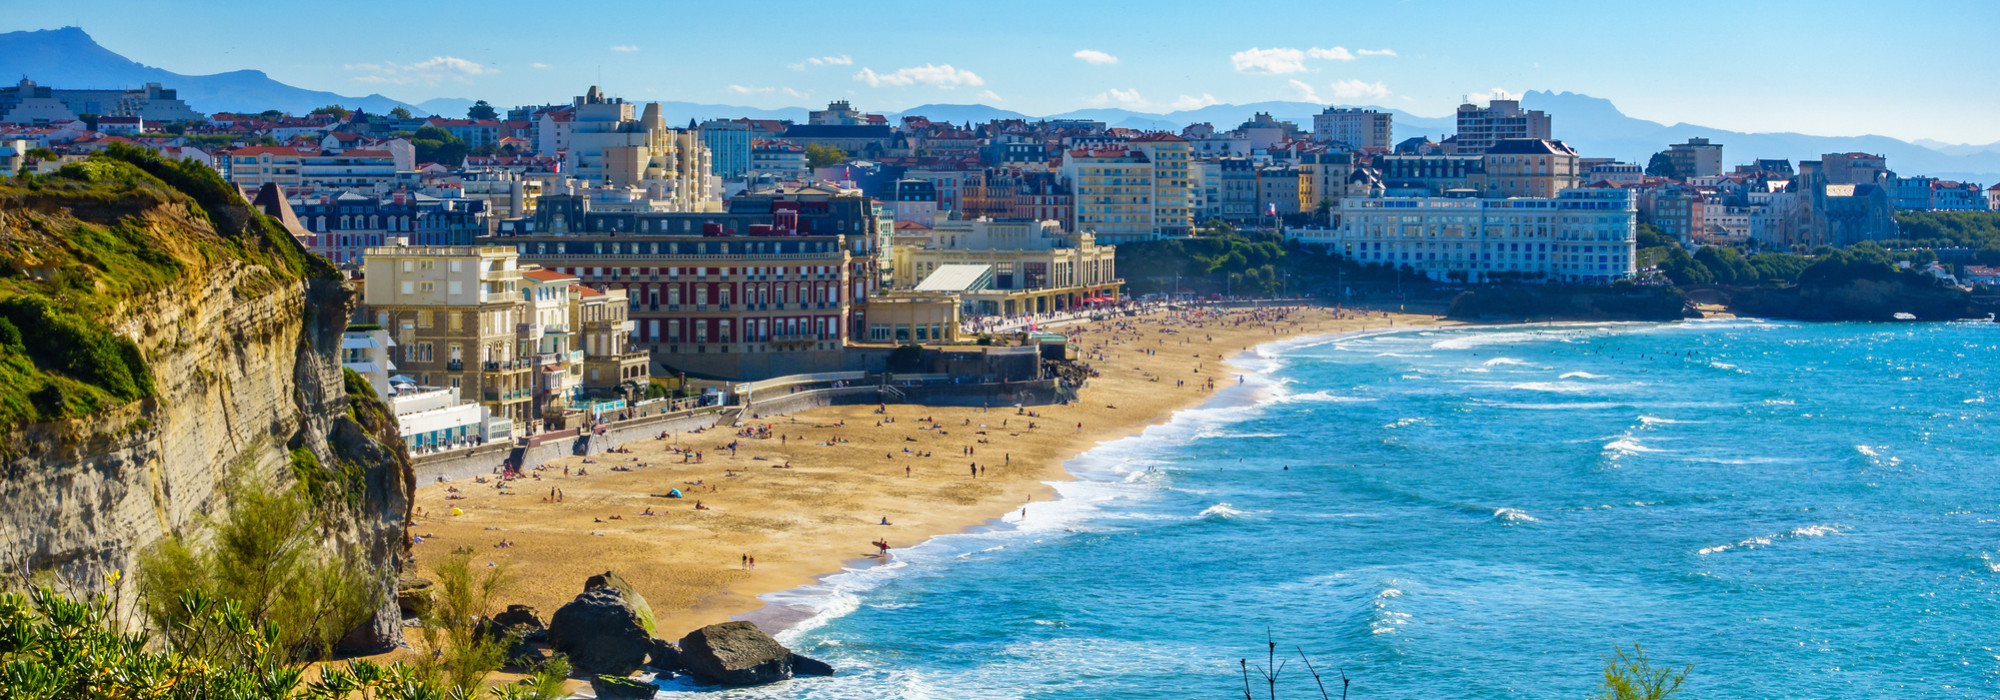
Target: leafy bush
<point>70,345</point>
<point>264,560</point>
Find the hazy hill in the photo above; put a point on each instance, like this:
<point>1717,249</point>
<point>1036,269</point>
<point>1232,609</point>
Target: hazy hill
<point>69,58</point>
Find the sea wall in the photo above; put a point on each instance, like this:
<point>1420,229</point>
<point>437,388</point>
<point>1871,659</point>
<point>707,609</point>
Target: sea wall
<point>489,459</point>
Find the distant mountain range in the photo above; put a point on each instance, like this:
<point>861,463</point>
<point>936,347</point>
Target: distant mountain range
<point>69,58</point>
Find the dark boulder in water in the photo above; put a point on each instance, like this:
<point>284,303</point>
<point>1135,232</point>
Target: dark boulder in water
<point>738,653</point>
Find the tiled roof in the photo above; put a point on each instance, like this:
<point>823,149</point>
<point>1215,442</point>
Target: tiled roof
<point>546,276</point>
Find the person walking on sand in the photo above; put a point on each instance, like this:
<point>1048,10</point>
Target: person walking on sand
<point>746,561</point>
<point>974,468</point>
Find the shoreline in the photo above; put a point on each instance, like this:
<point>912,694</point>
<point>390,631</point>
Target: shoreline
<point>785,617</point>
<point>800,523</point>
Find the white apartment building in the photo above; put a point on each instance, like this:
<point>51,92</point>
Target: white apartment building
<point>1580,235</point>
<point>1358,128</point>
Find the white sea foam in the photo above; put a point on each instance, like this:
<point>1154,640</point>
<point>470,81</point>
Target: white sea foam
<point>1579,406</point>
<point>1514,515</point>
<point>1322,396</point>
<point>1555,387</point>
<point>1219,511</point>
<point>1655,420</point>
<point>1405,422</point>
<point>1580,375</point>
<point>1505,361</point>
<point>1767,540</point>
<point>1627,445</point>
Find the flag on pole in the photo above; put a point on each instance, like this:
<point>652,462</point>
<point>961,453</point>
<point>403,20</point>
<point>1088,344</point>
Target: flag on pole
<point>1271,208</point>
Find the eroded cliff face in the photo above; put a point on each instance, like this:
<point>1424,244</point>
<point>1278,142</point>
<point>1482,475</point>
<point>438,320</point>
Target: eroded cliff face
<point>246,368</point>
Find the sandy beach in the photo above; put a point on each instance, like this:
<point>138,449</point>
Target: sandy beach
<point>810,495</point>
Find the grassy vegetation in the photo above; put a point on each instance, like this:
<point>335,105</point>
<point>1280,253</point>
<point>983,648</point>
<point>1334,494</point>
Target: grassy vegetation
<point>81,244</point>
<point>243,620</point>
<point>1221,259</point>
<point>1978,230</point>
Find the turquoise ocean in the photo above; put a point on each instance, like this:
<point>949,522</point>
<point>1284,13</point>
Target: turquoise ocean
<point>1799,510</point>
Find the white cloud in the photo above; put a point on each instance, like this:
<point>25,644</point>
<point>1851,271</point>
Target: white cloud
<point>1124,98</point>
<point>1094,56</point>
<point>431,72</point>
<point>1283,61</point>
<point>625,48</point>
<point>538,65</point>
<point>1272,61</point>
<point>1305,91</point>
<point>1187,102</point>
<point>1352,89</point>
<point>747,90</point>
<point>1493,94</point>
<point>841,60</point>
<point>795,93</point>
<point>991,95</point>
<point>944,76</point>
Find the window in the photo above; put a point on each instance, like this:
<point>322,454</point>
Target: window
<point>455,287</point>
<point>423,319</point>
<point>456,324</point>
<point>409,287</point>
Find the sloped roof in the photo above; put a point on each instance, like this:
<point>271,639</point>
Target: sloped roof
<point>546,275</point>
<point>957,278</point>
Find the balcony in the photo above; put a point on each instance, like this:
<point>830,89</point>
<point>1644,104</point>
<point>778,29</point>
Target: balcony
<point>505,365</point>
<point>454,366</point>
<point>528,330</point>
<point>506,395</point>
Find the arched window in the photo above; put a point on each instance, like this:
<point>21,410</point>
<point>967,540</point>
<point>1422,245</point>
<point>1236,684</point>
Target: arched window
<point>343,222</point>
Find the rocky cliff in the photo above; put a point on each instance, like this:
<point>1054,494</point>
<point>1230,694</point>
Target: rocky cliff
<point>239,330</point>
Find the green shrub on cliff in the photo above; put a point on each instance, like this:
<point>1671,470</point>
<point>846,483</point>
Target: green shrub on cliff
<point>55,364</point>
<point>265,560</point>
<point>82,245</point>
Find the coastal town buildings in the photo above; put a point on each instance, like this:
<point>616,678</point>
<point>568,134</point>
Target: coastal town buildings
<point>1112,191</point>
<point>28,103</point>
<point>608,146</point>
<point>1479,128</point>
<point>1527,168</point>
<point>1357,129</point>
<point>1031,266</point>
<point>457,317</point>
<point>728,143</point>
<point>766,288</point>
<point>1580,235</point>
<point>1696,158</point>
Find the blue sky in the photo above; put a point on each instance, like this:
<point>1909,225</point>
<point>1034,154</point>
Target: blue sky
<point>1909,69</point>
